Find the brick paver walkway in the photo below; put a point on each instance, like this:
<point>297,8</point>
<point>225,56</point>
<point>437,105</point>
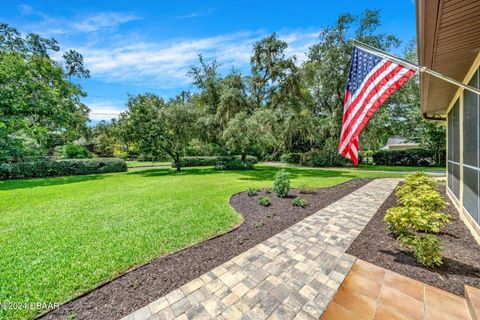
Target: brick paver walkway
<point>294,274</point>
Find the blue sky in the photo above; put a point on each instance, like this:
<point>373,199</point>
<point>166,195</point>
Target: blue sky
<point>148,46</point>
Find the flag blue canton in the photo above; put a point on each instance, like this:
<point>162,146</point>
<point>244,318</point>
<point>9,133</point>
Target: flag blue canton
<point>362,63</point>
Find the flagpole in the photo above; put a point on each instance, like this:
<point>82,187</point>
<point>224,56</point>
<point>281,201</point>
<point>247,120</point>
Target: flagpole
<point>412,65</point>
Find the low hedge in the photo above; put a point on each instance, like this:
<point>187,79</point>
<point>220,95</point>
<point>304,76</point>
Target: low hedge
<point>46,167</point>
<point>202,161</point>
<point>234,164</point>
<point>411,157</point>
<point>293,157</point>
<point>321,158</point>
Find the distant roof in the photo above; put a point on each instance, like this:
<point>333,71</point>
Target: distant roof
<point>398,141</point>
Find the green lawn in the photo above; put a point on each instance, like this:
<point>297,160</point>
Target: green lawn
<point>62,236</point>
<point>134,164</point>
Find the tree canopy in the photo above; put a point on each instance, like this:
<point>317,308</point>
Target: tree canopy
<point>280,106</point>
<point>40,107</point>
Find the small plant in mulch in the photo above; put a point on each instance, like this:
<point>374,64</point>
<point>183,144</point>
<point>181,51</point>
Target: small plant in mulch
<point>418,218</point>
<point>71,316</point>
<point>269,214</point>
<point>281,184</point>
<point>258,224</point>
<point>307,190</point>
<point>264,201</point>
<point>135,284</point>
<point>252,192</point>
<point>299,202</point>
<point>241,240</point>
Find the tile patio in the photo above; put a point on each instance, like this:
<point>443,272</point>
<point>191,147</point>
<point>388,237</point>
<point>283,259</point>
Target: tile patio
<point>292,275</point>
<point>372,292</point>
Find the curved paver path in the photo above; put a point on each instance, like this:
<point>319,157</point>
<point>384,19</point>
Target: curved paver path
<point>292,275</point>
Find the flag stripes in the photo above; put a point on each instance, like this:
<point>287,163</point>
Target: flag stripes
<point>371,81</point>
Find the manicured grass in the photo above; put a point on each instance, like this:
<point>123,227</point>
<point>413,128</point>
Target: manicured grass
<point>134,164</point>
<point>62,236</point>
<point>400,168</point>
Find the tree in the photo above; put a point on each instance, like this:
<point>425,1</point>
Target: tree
<point>245,132</point>
<point>105,139</point>
<point>273,74</point>
<point>326,70</point>
<point>159,128</point>
<point>40,108</point>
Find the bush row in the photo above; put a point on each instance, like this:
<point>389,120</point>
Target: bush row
<point>314,158</point>
<point>418,218</point>
<point>46,167</point>
<point>227,161</point>
<point>411,157</point>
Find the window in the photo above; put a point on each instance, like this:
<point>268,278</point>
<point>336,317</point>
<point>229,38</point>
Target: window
<point>471,149</point>
<point>454,149</point>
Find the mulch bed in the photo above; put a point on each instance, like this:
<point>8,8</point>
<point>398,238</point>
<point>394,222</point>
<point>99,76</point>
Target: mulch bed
<point>461,262</point>
<point>149,282</point>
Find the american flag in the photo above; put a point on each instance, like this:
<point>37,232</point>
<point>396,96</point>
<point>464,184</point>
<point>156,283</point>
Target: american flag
<point>371,81</point>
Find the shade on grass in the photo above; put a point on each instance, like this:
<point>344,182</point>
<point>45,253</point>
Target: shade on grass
<point>400,168</point>
<point>135,164</point>
<point>62,236</point>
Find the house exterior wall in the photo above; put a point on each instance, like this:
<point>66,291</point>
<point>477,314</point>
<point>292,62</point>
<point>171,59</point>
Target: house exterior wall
<point>463,151</point>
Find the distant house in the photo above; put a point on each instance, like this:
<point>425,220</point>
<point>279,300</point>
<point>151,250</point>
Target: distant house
<point>399,143</point>
<point>449,42</point>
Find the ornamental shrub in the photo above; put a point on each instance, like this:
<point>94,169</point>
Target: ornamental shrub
<point>403,220</point>
<point>426,249</point>
<point>45,167</point>
<point>281,184</point>
<point>423,197</point>
<point>420,211</point>
<point>419,179</point>
<point>264,201</point>
<point>299,202</point>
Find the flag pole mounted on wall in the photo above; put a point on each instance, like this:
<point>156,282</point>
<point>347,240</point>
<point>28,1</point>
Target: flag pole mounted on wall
<point>374,76</point>
<point>415,66</point>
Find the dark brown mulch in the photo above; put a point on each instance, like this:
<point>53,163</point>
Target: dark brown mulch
<point>461,262</point>
<point>141,286</point>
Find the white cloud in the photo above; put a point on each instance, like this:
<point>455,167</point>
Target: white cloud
<point>102,20</point>
<point>165,64</point>
<point>25,9</point>
<point>104,110</point>
<point>86,23</point>
<point>198,14</point>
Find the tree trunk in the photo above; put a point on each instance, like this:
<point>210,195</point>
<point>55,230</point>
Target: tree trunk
<point>244,155</point>
<point>176,160</point>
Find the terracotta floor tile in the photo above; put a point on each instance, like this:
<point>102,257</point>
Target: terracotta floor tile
<point>439,314</point>
<point>448,302</point>
<point>405,285</point>
<point>473,296</point>
<point>362,284</point>
<point>337,312</point>
<point>355,302</point>
<point>369,270</point>
<point>386,313</point>
<point>405,305</point>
